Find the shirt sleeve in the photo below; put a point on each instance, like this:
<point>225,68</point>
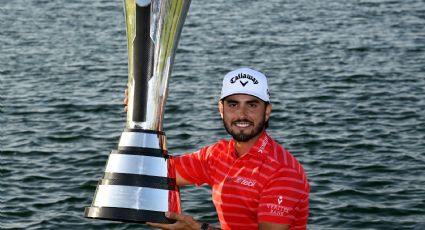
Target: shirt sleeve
<point>284,199</point>
<point>194,167</point>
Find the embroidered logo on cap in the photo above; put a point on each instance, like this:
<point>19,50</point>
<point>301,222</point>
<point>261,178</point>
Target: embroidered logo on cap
<point>243,83</point>
<point>243,76</point>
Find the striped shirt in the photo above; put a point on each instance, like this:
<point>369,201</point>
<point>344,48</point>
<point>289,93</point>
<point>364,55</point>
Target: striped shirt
<point>267,184</point>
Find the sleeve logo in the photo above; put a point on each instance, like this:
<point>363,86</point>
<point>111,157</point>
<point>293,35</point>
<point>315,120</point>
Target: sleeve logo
<point>280,200</point>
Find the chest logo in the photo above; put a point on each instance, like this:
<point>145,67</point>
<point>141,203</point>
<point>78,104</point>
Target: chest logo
<point>263,145</point>
<point>245,181</point>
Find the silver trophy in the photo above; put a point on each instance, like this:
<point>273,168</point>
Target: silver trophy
<point>139,183</point>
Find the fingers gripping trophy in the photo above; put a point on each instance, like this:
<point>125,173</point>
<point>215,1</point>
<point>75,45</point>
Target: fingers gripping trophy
<point>139,182</point>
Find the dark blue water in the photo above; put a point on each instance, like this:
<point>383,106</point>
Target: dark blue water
<point>348,89</point>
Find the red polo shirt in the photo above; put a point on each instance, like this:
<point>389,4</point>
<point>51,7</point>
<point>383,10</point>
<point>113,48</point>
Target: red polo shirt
<point>265,185</point>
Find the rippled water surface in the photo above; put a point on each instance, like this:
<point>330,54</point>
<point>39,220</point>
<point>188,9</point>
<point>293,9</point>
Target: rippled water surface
<point>348,90</point>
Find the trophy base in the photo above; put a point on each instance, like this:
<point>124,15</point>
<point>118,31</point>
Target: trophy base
<point>127,215</point>
<point>139,183</point>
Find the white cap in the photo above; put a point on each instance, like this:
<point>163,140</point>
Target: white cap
<point>245,81</point>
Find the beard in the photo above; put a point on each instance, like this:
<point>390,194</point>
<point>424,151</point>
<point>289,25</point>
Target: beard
<point>242,136</point>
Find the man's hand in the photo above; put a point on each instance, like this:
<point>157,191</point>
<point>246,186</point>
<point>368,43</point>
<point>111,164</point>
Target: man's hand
<point>125,101</point>
<point>184,222</point>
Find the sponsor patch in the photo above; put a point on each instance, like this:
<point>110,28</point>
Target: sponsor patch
<point>278,210</point>
<point>280,199</point>
<point>245,181</point>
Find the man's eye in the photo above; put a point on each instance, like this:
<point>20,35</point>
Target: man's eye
<point>253,105</point>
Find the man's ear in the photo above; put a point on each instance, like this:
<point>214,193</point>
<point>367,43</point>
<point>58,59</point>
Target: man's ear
<point>268,111</point>
<point>220,108</point>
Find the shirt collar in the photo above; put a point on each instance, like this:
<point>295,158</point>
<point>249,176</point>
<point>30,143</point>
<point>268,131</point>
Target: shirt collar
<point>258,149</point>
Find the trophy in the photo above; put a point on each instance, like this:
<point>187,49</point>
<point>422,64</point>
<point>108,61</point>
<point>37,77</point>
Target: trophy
<point>139,182</point>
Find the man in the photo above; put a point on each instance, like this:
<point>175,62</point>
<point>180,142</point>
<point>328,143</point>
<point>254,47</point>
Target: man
<point>256,183</point>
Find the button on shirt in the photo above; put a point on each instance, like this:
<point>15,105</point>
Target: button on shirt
<point>267,184</point>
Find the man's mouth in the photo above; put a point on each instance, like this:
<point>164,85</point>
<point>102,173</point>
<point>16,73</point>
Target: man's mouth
<point>242,124</point>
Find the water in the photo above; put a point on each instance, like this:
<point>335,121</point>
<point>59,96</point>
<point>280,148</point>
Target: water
<point>348,89</point>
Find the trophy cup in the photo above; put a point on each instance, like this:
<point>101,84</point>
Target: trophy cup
<point>139,182</point>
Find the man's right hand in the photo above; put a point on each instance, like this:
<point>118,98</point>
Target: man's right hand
<point>125,101</point>
<point>183,222</point>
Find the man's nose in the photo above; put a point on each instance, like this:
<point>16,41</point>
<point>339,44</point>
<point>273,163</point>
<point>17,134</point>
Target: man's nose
<point>242,111</point>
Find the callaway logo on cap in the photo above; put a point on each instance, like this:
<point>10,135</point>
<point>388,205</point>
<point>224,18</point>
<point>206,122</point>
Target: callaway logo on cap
<point>245,81</point>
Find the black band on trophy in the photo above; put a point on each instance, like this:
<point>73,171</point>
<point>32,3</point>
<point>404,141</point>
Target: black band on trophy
<point>127,215</point>
<point>144,131</point>
<point>126,179</point>
<point>142,152</point>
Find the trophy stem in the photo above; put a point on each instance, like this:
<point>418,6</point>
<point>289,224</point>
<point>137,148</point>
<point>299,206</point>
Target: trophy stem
<point>142,62</point>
